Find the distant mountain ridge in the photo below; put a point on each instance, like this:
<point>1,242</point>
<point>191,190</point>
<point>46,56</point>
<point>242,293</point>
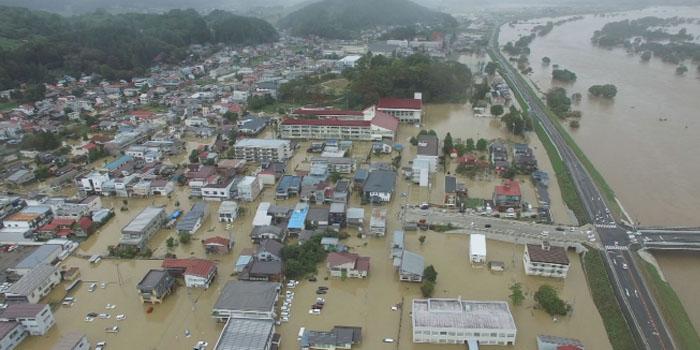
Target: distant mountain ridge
<point>343,18</point>
<point>37,46</point>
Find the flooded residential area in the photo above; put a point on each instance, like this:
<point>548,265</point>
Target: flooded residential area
<point>185,317</point>
<point>262,186</point>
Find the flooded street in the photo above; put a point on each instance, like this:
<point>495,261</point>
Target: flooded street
<point>646,162</point>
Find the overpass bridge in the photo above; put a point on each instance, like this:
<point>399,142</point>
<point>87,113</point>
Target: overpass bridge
<point>683,238</point>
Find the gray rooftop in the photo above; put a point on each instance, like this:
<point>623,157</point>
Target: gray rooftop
<point>337,208</point>
<point>189,221</point>
<point>248,296</point>
<point>450,184</point>
<point>339,336</point>
<point>412,263</point>
<point>380,181</point>
<point>427,145</point>
<point>32,280</point>
<point>39,256</point>
<point>262,143</point>
<point>152,278</point>
<point>462,314</point>
<point>145,217</point>
<point>245,334</point>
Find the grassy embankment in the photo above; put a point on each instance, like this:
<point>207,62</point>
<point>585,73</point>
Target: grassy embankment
<point>616,326</point>
<point>6,106</point>
<point>682,330</point>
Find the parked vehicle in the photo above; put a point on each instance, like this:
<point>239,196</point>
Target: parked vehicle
<point>388,340</point>
<point>100,345</point>
<point>113,329</point>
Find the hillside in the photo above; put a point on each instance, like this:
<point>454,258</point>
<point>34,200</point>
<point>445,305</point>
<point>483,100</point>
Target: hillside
<point>37,46</point>
<point>343,18</point>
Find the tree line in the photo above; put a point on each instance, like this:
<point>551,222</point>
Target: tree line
<point>376,76</point>
<point>39,47</point>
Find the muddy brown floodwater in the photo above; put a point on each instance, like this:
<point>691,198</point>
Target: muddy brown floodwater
<point>681,271</point>
<point>645,161</point>
<point>650,164</point>
<point>366,303</point>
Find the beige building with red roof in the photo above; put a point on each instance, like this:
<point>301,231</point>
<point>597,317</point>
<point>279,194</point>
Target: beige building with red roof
<point>408,110</point>
<point>198,273</point>
<point>545,260</point>
<point>347,265</point>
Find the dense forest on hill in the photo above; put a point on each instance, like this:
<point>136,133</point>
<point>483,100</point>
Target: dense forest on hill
<point>344,19</point>
<point>377,76</point>
<point>37,46</point>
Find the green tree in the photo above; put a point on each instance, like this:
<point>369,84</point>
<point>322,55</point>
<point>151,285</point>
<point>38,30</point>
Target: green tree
<point>170,242</point>
<point>646,56</point>
<point>481,145</point>
<point>421,239</point>
<point>427,289</point>
<point>548,298</point>
<point>335,176</point>
<point>557,101</point>
<point>447,144</point>
<point>516,294</point>
<point>35,92</point>
<point>470,145</point>
<point>574,124</point>
<point>41,173</point>
<point>514,121</point>
<point>563,75</point>
<point>232,117</point>
<point>185,238</point>
<point>194,156</point>
<point>546,60</point>
<point>490,68</point>
<point>430,274</point>
<point>496,110</point>
<point>606,91</point>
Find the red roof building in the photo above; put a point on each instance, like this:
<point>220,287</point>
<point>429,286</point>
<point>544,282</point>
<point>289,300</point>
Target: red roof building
<point>409,110</point>
<point>507,195</point>
<point>327,112</point>
<point>217,244</point>
<point>399,103</point>
<point>385,122</point>
<point>198,273</point>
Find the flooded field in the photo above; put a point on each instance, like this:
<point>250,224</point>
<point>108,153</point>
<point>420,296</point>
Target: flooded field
<point>623,137</point>
<point>364,303</point>
<point>675,266</point>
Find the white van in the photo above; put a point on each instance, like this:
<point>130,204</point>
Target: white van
<point>301,333</point>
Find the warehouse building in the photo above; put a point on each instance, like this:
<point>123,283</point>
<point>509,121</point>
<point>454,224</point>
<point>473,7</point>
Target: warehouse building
<point>142,227</point>
<point>456,321</point>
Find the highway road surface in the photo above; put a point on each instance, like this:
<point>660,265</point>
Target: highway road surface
<point>635,299</point>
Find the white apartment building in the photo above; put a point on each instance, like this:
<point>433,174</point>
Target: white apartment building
<point>248,188</point>
<point>545,260</point>
<point>263,149</point>
<point>34,285</point>
<point>92,183</point>
<point>456,321</point>
<point>36,319</point>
